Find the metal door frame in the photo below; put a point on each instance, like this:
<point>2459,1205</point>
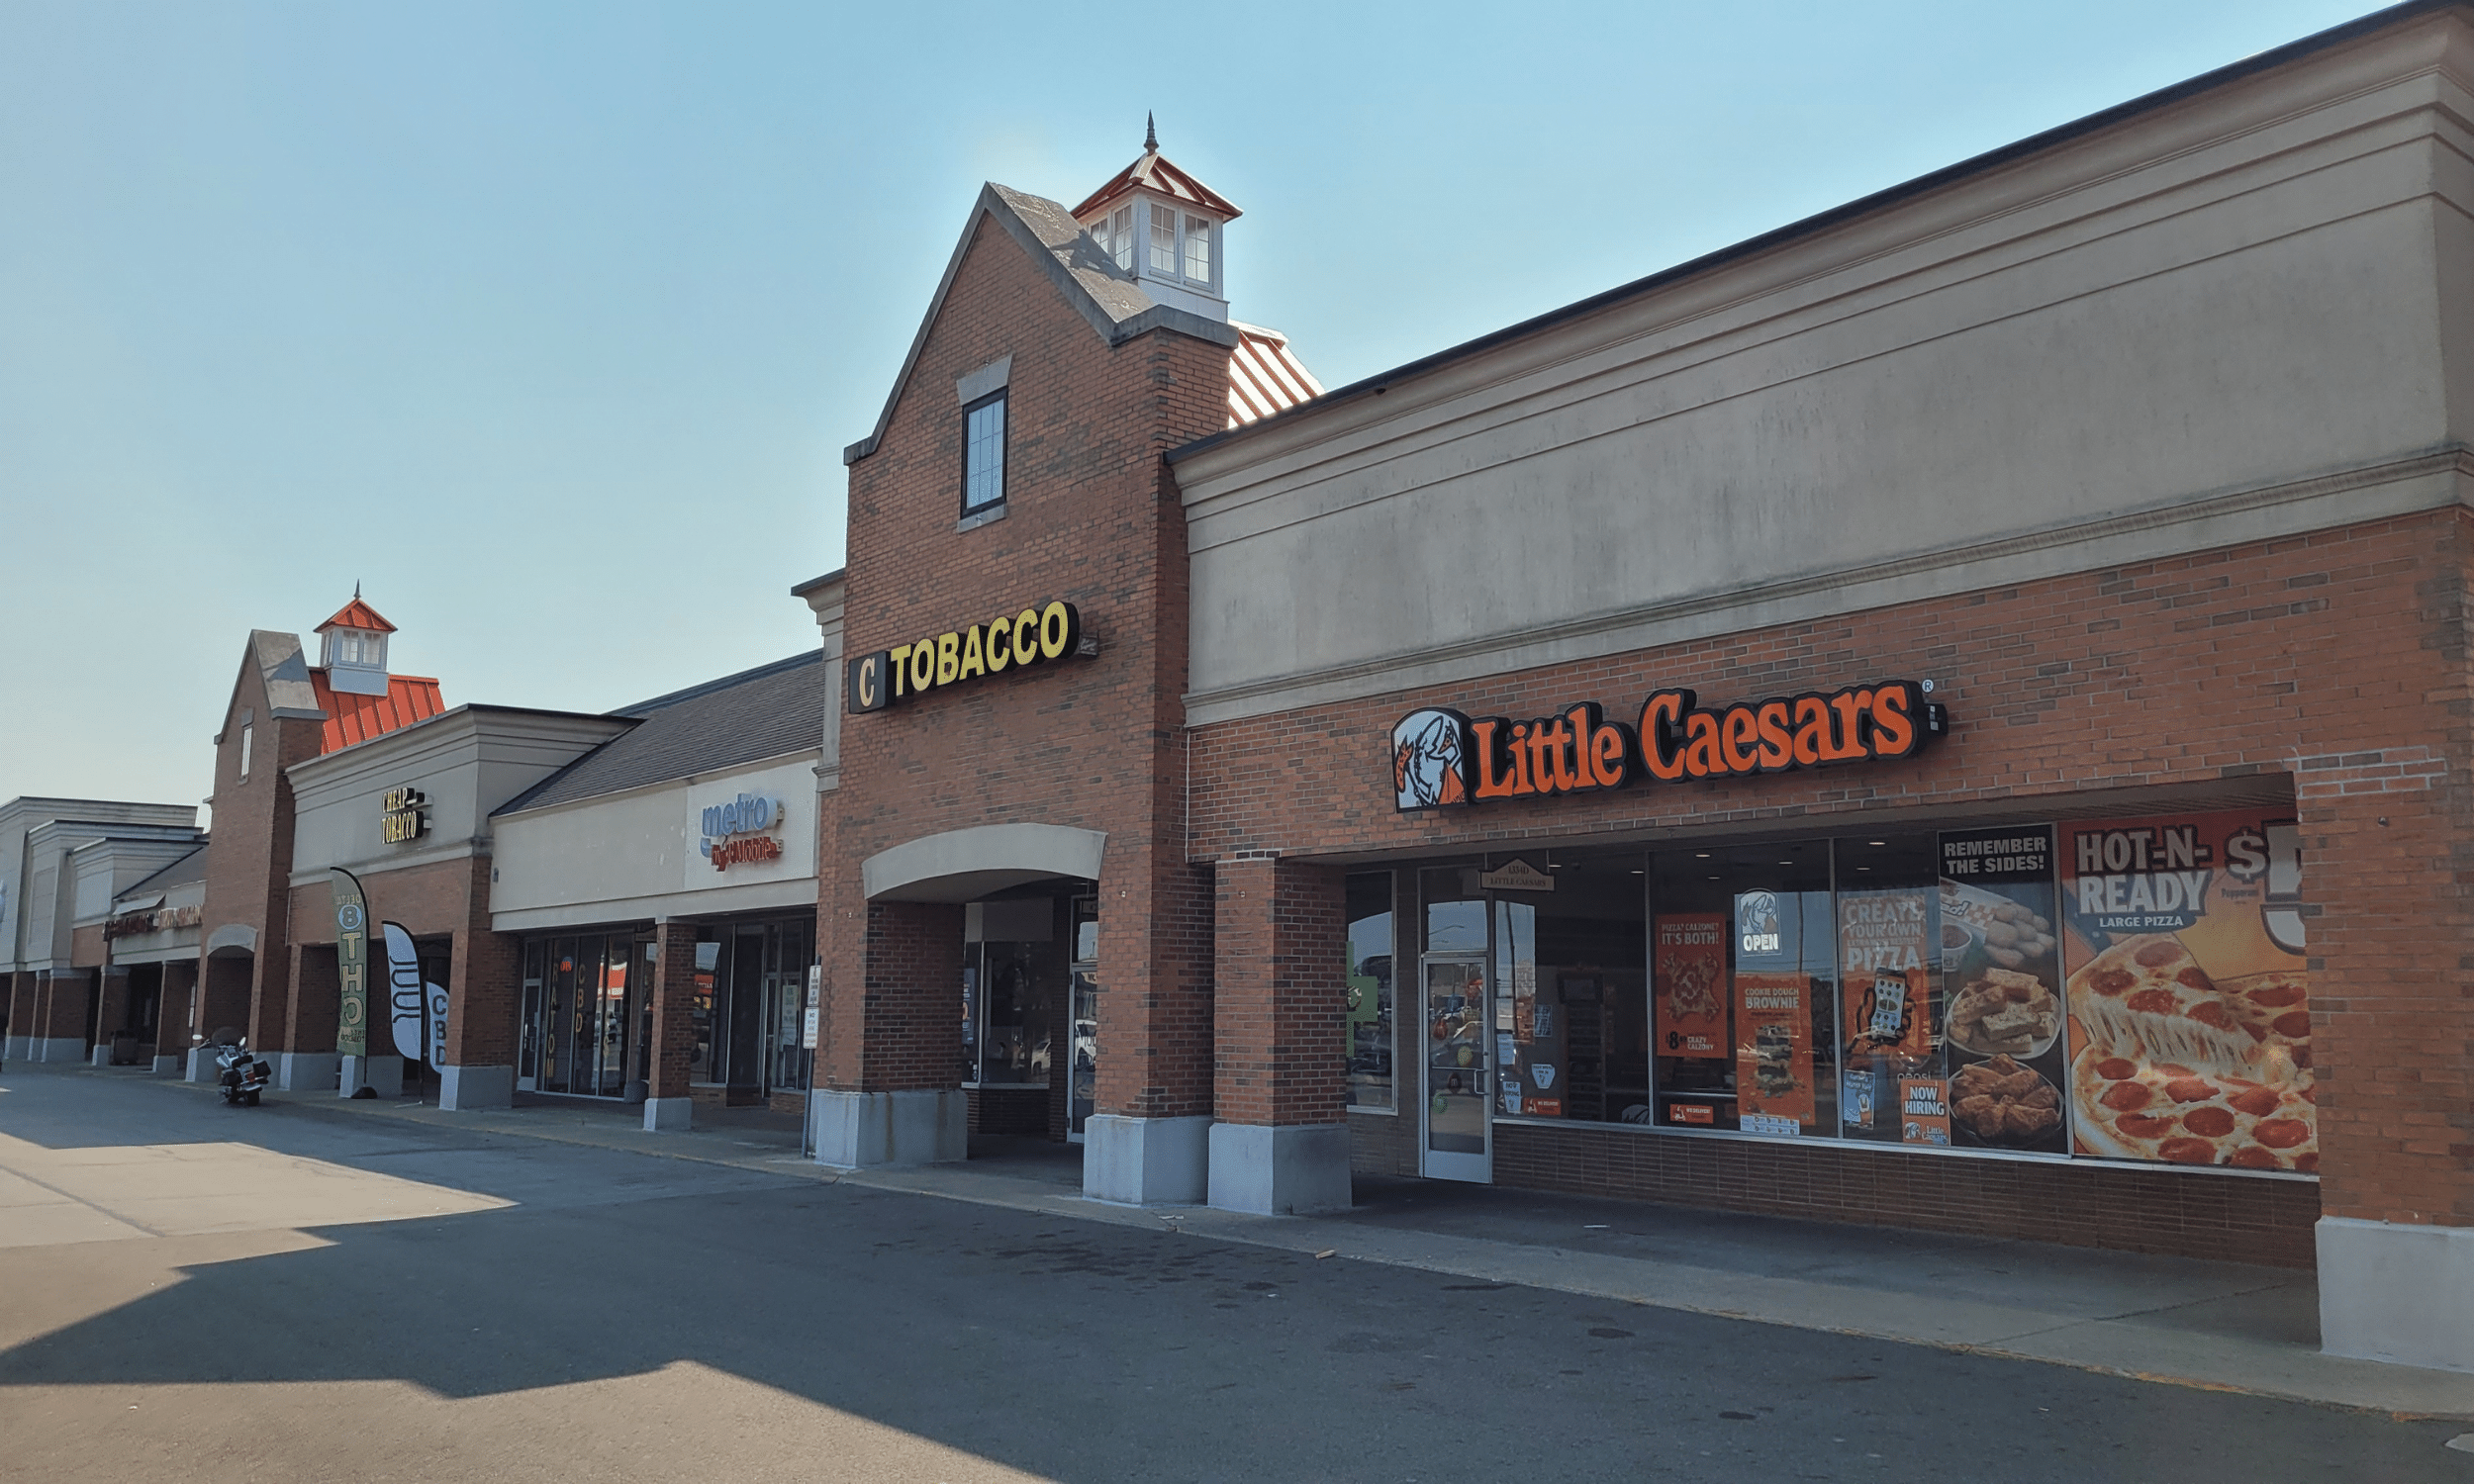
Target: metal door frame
<point>1440,1165</point>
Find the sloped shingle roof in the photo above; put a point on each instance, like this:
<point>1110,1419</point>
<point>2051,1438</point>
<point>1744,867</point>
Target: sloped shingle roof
<point>757,713</point>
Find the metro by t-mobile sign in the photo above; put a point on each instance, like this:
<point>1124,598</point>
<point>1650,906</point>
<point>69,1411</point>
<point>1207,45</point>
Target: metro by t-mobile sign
<point>1438,756</point>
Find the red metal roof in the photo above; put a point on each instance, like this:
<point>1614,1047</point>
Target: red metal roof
<point>355,614</point>
<point>1154,172</point>
<point>357,718</point>
<point>1265,376</point>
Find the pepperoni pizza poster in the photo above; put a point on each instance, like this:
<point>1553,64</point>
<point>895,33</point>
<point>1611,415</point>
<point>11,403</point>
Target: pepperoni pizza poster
<point>1690,965</point>
<point>2190,1009</point>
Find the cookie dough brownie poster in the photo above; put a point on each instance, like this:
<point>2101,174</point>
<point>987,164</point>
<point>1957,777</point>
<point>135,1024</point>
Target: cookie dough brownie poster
<point>2002,989</point>
<point>2189,1004</point>
<point>1773,1016</point>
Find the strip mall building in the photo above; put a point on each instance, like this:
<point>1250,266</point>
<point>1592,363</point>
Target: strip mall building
<point>1952,714</point>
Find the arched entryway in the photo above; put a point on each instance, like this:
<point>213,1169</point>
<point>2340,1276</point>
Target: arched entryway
<point>976,995</point>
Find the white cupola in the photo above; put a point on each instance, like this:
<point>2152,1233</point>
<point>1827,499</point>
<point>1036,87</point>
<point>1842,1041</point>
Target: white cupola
<point>356,648</point>
<point>1165,229</point>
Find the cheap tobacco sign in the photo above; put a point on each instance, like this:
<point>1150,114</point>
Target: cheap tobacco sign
<point>1438,756</point>
<point>1034,636</point>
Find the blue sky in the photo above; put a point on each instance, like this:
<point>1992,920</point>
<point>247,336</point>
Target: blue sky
<point>547,322</point>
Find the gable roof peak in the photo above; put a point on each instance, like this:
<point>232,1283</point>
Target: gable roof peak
<point>356,614</point>
<point>1154,172</point>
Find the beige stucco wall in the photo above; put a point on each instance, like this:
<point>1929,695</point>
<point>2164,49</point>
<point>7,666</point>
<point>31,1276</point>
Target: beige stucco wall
<point>2212,323</point>
<point>629,856</point>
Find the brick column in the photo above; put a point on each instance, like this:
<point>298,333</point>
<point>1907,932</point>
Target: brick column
<point>667,1104</point>
<point>20,988</point>
<point>172,1017</point>
<point>1280,994</point>
<point>111,1009</point>
<point>1148,1141</point>
<point>314,1009</point>
<point>60,1016</point>
<point>889,1068</point>
<point>270,994</point>
<point>484,1002</point>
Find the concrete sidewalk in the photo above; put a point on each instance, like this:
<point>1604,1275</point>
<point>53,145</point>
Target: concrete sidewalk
<point>2221,1325</point>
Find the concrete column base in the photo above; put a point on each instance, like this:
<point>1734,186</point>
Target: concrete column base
<point>60,1049</point>
<point>2402,1294</point>
<point>306,1072</point>
<point>1146,1161</point>
<point>167,1067</point>
<point>466,1089</point>
<point>15,1048</point>
<point>669,1115</point>
<point>382,1075</point>
<point>101,1056</point>
<point>864,1130</point>
<point>201,1067</point>
<point>1269,1170</point>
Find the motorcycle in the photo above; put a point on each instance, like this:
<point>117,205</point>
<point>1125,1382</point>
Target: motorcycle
<point>241,1075</point>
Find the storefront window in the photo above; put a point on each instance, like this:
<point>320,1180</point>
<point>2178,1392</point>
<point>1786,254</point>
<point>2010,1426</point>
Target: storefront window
<point>1743,1018</point>
<point>1083,1085</point>
<point>1014,982</point>
<point>1571,1006</point>
<point>1368,1020</point>
<point>1456,909</point>
<point>700,1067</point>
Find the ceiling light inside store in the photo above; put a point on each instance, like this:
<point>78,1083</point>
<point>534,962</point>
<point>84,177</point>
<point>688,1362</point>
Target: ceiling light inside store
<point>1876,842</point>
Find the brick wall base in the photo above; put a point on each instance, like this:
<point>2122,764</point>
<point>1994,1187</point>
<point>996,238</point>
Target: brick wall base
<point>1382,1145</point>
<point>1008,1110</point>
<point>2174,1213</point>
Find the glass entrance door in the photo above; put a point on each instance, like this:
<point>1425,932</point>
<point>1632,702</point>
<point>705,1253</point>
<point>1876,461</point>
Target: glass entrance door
<point>1457,1060</point>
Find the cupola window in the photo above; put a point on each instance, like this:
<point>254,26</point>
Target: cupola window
<point>1199,251</point>
<point>1116,236</point>
<point>1164,240</point>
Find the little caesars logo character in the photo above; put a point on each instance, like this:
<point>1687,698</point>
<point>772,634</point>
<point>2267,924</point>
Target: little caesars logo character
<point>1757,922</point>
<point>1430,759</point>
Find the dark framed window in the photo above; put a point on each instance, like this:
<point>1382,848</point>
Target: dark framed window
<point>984,454</point>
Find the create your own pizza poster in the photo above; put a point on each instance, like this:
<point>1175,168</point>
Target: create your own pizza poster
<point>2189,1001</point>
<point>1889,965</point>
<point>2001,1013</point>
<point>1689,964</point>
<point>1773,1013</point>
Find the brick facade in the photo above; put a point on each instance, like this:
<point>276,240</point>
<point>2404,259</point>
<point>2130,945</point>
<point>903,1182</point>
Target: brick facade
<point>249,864</point>
<point>2334,664</point>
<point>1088,742</point>
<point>448,899</point>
